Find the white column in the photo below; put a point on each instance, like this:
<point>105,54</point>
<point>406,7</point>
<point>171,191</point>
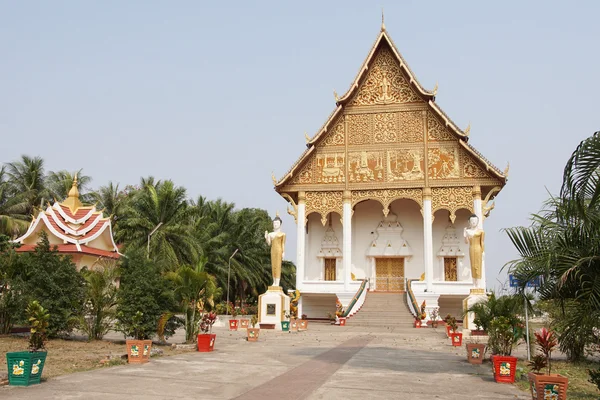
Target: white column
<point>347,241</point>
<point>301,240</point>
<point>427,239</point>
<point>478,210</point>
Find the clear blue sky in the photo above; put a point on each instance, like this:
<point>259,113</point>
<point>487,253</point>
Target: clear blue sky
<point>216,95</point>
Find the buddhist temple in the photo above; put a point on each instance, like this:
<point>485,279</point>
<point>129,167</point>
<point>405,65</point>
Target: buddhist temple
<point>77,230</point>
<point>384,192</point>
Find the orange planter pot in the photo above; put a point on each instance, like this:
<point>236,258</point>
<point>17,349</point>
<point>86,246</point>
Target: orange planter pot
<point>475,353</point>
<point>456,339</point>
<point>417,323</point>
<point>293,325</point>
<point>138,351</point>
<point>302,325</point>
<point>206,342</point>
<point>233,324</point>
<point>553,386</point>
<point>253,334</point>
<point>244,323</point>
<point>504,368</point>
<point>342,321</point>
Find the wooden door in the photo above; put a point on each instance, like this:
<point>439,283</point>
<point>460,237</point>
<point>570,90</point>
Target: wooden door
<point>450,273</point>
<point>330,269</point>
<point>389,274</point>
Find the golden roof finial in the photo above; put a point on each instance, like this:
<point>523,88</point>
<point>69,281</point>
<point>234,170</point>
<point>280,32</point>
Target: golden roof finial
<point>468,130</point>
<point>72,200</point>
<point>506,170</point>
<point>306,137</point>
<point>382,20</point>
<point>273,178</point>
<point>335,95</point>
<point>435,89</point>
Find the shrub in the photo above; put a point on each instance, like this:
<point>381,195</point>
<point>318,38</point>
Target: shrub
<point>38,319</point>
<point>100,302</point>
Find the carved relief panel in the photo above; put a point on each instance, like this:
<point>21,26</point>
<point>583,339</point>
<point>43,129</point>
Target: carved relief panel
<point>405,165</point>
<point>443,162</point>
<point>359,128</point>
<point>410,124</point>
<point>436,131</point>
<point>469,168</point>
<point>305,175</point>
<point>324,203</point>
<point>366,166</point>
<point>385,129</point>
<point>385,83</point>
<point>330,167</point>
<point>451,199</point>
<point>335,137</point>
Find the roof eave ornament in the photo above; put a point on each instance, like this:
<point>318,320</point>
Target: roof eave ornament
<point>335,95</point>
<point>505,173</point>
<point>468,130</point>
<point>274,179</point>
<point>435,89</point>
<point>306,137</point>
<point>382,21</point>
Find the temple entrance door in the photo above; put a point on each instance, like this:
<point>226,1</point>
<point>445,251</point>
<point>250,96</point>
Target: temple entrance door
<point>330,269</point>
<point>389,274</point>
<point>450,273</point>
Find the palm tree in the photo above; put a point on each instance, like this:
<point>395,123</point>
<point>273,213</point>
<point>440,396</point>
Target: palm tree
<point>59,183</point>
<point>100,300</point>
<point>562,246</point>
<point>112,201</point>
<point>13,209</point>
<point>161,209</point>
<point>27,177</point>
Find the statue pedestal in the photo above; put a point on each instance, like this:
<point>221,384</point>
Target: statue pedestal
<point>272,306</point>
<point>475,296</point>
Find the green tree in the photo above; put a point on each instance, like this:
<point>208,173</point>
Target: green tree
<point>12,301</point>
<point>59,183</point>
<point>562,246</point>
<point>13,208</point>
<point>27,177</point>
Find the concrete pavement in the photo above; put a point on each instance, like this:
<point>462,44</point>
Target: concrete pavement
<point>325,362</point>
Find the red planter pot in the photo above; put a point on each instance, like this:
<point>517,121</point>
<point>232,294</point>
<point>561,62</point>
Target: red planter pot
<point>553,386</point>
<point>504,368</point>
<point>342,321</point>
<point>418,323</point>
<point>138,351</point>
<point>206,342</point>
<point>244,323</point>
<point>233,324</point>
<point>448,330</point>
<point>456,339</point>
<point>475,352</point>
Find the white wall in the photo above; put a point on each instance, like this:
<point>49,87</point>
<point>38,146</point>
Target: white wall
<point>440,223</point>
<point>318,305</point>
<point>316,232</point>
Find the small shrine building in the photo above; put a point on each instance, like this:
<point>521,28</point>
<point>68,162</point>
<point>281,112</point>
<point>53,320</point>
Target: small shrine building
<point>383,192</point>
<point>79,231</point>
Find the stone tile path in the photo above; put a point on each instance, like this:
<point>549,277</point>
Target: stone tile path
<point>326,362</point>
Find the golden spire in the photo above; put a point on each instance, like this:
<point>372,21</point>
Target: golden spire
<point>274,179</point>
<point>505,173</point>
<point>72,200</point>
<point>435,89</point>
<point>382,20</point>
<point>335,95</point>
<point>468,130</point>
<point>306,137</point>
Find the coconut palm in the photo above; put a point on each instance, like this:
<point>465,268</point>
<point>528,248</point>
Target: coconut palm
<point>113,203</point>
<point>161,209</point>
<point>59,183</point>
<point>562,246</point>
<point>13,209</point>
<point>27,178</point>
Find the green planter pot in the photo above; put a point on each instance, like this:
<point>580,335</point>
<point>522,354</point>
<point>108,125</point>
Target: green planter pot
<point>285,326</point>
<point>25,368</point>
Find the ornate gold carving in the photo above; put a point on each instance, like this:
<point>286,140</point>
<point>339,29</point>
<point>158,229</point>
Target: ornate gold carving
<point>387,196</point>
<point>366,166</point>
<point>384,128</point>
<point>489,202</point>
<point>468,130</point>
<point>306,137</point>
<point>293,212</point>
<point>451,199</point>
<point>385,83</point>
<point>335,137</point>
<point>470,169</point>
<point>505,173</point>
<point>359,128</point>
<point>323,203</point>
<point>436,131</point>
<point>273,179</point>
<point>335,96</point>
<point>443,163</point>
<point>331,167</point>
<point>405,165</point>
<point>410,124</point>
<point>305,175</point>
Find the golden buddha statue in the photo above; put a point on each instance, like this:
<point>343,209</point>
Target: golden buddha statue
<point>475,238</point>
<point>276,240</point>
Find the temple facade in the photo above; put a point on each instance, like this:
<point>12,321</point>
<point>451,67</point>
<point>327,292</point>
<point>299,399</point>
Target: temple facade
<point>79,231</point>
<point>384,191</point>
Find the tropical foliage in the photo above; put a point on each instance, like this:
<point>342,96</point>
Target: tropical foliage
<point>562,246</point>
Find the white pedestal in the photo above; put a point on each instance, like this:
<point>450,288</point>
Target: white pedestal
<point>272,306</point>
<point>476,296</point>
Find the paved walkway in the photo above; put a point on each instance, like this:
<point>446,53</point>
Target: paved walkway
<point>326,362</point>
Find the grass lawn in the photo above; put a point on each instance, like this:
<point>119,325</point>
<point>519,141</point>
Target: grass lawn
<point>68,356</point>
<point>579,387</point>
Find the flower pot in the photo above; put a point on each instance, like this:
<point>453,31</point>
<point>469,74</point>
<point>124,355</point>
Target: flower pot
<point>456,339</point>
<point>206,342</point>
<point>25,368</point>
<point>138,351</point>
<point>475,352</point>
<point>434,324</point>
<point>504,368</point>
<point>342,321</point>
<point>294,325</point>
<point>253,334</point>
<point>285,326</point>
<point>244,323</point>
<point>553,386</point>
<point>233,324</point>
<point>302,325</point>
<point>448,330</point>
<point>478,332</point>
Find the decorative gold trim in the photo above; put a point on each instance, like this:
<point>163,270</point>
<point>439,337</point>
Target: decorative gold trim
<point>293,212</point>
<point>387,197</point>
<point>324,203</point>
<point>489,202</point>
<point>451,199</point>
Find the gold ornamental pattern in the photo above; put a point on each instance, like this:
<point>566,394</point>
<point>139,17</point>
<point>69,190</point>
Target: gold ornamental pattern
<point>443,162</point>
<point>470,169</point>
<point>324,203</point>
<point>335,137</point>
<point>410,124</point>
<point>387,196</point>
<point>305,176</point>
<point>384,128</point>
<point>451,199</point>
<point>385,83</point>
<point>359,128</point>
<point>436,132</point>
<point>331,167</point>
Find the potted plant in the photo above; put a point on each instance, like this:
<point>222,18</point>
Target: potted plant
<point>434,316</point>
<point>421,315</point>
<point>303,323</point>
<point>293,323</point>
<point>504,334</point>
<point>455,337</point>
<point>253,332</point>
<point>546,385</point>
<point>244,322</point>
<point>285,325</point>
<point>138,348</point>
<point>447,318</point>
<point>475,352</point>
<point>233,322</point>
<point>25,367</point>
<point>206,339</point>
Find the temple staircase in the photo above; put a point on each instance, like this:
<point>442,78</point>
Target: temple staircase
<point>383,309</point>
